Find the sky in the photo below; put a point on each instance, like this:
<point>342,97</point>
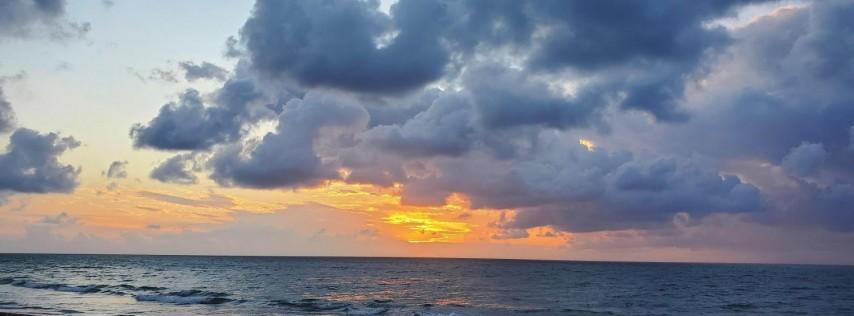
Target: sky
<point>575,130</point>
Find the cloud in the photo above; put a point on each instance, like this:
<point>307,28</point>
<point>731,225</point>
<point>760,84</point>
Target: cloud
<point>334,44</point>
<point>287,157</point>
<point>771,79</point>
<point>155,74</point>
<point>60,219</point>
<point>116,170</point>
<point>205,70</point>
<point>445,128</point>
<point>7,115</point>
<point>508,98</point>
<point>30,163</point>
<point>25,18</point>
<point>178,169</point>
<point>804,160</point>
<point>569,187</point>
<point>212,200</point>
<point>190,125</point>
<point>489,100</point>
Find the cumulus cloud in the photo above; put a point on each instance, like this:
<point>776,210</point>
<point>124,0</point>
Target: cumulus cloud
<point>287,157</point>
<point>445,128</point>
<point>190,125</point>
<point>116,170</point>
<point>31,165</point>
<point>508,98</point>
<point>335,43</point>
<point>178,169</point>
<point>205,70</point>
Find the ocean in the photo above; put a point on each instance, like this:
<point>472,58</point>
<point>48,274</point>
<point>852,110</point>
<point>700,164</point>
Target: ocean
<point>210,285</point>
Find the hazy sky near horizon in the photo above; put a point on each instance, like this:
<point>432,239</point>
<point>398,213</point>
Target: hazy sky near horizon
<point>607,130</point>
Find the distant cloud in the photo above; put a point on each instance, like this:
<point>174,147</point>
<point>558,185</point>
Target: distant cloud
<point>205,70</point>
<point>178,169</point>
<point>212,200</point>
<point>117,170</point>
<point>60,219</point>
<point>63,66</point>
<point>156,74</point>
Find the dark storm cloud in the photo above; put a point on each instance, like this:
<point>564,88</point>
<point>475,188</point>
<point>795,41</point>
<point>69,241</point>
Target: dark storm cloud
<point>287,157</point>
<point>205,70</point>
<point>30,163</point>
<point>445,128</point>
<point>334,43</point>
<point>803,94</point>
<point>644,51</point>
<point>190,125</point>
<point>178,169</point>
<point>117,170</point>
<point>23,18</point>
<point>508,98</point>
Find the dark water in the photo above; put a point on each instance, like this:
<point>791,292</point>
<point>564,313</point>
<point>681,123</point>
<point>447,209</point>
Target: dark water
<point>164,285</point>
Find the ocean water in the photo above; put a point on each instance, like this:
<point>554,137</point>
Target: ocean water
<point>191,285</point>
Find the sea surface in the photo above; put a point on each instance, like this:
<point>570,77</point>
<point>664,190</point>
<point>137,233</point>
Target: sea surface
<point>191,285</point>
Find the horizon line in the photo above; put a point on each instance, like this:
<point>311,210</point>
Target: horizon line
<point>430,258</point>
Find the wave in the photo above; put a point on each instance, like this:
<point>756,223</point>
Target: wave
<point>316,305</point>
<point>313,305</point>
<point>140,288</point>
<point>143,293</point>
<point>53,286</point>
<point>186,297</point>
